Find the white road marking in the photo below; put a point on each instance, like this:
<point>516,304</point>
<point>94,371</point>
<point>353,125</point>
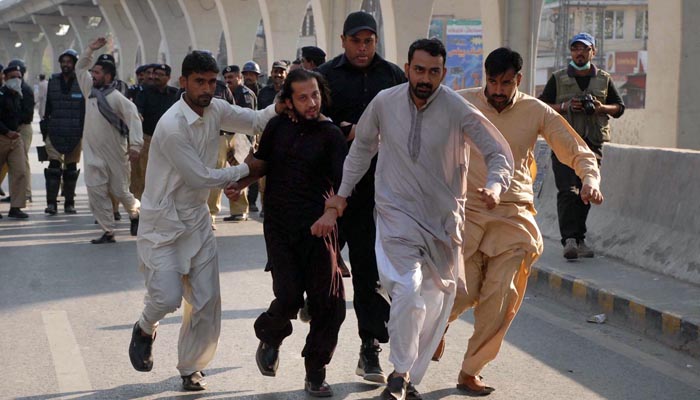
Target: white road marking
<point>68,363</point>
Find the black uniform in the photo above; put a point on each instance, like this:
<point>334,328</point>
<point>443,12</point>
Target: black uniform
<point>352,89</point>
<point>266,96</point>
<point>304,164</point>
<point>153,103</point>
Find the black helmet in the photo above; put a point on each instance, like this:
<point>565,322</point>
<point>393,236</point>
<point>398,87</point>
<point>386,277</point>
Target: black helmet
<point>69,52</point>
<point>17,64</point>
<point>251,66</point>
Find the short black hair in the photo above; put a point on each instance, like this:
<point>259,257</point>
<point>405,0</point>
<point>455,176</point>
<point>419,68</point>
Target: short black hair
<point>499,61</point>
<point>108,67</point>
<point>433,46</point>
<point>302,75</point>
<point>42,77</point>
<point>198,62</point>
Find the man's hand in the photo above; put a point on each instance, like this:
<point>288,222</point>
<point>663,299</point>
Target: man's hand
<point>134,155</point>
<point>325,225</point>
<point>589,194</point>
<point>97,43</point>
<point>338,203</point>
<point>351,130</point>
<point>12,135</point>
<point>233,191</point>
<point>489,197</point>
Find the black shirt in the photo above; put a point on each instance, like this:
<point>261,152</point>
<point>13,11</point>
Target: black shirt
<point>153,103</point>
<point>549,94</point>
<point>245,97</point>
<point>266,96</point>
<point>352,89</point>
<point>10,111</point>
<point>304,163</point>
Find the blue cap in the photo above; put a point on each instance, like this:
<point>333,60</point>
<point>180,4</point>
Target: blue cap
<point>585,38</point>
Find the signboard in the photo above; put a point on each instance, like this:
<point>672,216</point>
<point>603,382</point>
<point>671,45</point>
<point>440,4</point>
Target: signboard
<point>465,53</point>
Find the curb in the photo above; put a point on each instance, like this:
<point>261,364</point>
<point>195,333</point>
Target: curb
<point>680,332</point>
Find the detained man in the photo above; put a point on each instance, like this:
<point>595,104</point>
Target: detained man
<point>420,193</point>
<point>112,130</point>
<point>303,163</point>
<point>502,241</point>
<point>176,246</point>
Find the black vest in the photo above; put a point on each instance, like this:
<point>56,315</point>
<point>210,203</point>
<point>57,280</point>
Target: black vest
<point>67,114</point>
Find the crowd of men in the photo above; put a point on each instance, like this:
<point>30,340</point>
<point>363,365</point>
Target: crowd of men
<point>309,143</point>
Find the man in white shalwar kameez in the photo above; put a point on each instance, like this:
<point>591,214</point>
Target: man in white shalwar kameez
<point>110,119</point>
<point>176,245</point>
<point>421,130</point>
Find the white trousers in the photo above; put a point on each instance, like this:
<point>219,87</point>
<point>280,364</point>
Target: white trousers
<point>101,203</point>
<point>418,316</point>
<point>201,319</point>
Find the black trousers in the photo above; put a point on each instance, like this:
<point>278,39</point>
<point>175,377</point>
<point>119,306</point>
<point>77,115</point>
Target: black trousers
<point>302,263</point>
<point>571,210</point>
<point>372,310</point>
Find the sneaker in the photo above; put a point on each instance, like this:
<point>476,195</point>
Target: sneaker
<point>585,251</point>
<point>395,388</point>
<point>141,350</point>
<point>194,382</point>
<point>15,212</point>
<point>368,365</point>
<point>570,249</point>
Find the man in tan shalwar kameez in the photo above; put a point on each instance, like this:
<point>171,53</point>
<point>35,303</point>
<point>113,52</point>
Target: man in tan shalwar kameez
<point>501,243</point>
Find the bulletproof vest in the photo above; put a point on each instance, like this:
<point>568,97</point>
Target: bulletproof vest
<point>67,114</point>
<point>596,127</point>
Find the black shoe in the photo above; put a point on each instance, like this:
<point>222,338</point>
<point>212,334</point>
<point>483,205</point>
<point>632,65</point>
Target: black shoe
<point>50,209</point>
<point>368,365</point>
<point>134,230</point>
<point>69,209</point>
<point>194,382</point>
<point>322,389</point>
<point>117,216</point>
<point>267,358</point>
<point>15,212</point>
<point>237,218</point>
<point>2,192</point>
<point>395,389</point>
<point>140,350</point>
<point>5,199</point>
<point>412,393</point>
<point>105,238</point>
<point>253,208</point>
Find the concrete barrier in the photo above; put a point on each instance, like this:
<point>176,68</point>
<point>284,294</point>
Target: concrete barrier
<point>651,214</point>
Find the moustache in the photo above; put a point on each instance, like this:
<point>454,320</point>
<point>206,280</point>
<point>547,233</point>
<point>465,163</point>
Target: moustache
<point>424,86</point>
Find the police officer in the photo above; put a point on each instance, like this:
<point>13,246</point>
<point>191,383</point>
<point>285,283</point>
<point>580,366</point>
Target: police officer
<point>152,102</point>
<point>251,73</point>
<point>138,87</point>
<point>65,115</point>
<point>278,73</point>
<point>233,147</point>
<point>587,97</point>
<point>11,146</point>
<point>25,128</point>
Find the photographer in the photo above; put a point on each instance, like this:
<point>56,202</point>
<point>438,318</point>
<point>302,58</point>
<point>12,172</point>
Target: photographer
<point>586,96</point>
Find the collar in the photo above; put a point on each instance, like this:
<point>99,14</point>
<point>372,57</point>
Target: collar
<point>432,97</point>
<point>571,72</point>
<point>190,116</point>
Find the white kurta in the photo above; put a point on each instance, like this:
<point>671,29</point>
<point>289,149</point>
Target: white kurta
<point>105,150</point>
<point>420,190</point>
<point>181,169</point>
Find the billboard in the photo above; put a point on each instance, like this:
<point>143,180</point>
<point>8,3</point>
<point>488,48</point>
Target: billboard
<point>465,53</point>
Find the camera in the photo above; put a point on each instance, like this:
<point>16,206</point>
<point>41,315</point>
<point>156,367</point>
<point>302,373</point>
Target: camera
<point>587,104</point>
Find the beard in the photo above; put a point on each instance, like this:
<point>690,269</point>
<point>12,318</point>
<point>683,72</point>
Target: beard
<point>201,101</point>
<point>422,90</point>
<point>309,116</point>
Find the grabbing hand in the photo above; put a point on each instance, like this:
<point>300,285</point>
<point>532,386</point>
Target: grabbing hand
<point>589,194</point>
<point>98,43</point>
<point>324,226</point>
<point>233,191</point>
<point>338,203</point>
<point>12,135</point>
<point>489,197</point>
<point>134,155</point>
